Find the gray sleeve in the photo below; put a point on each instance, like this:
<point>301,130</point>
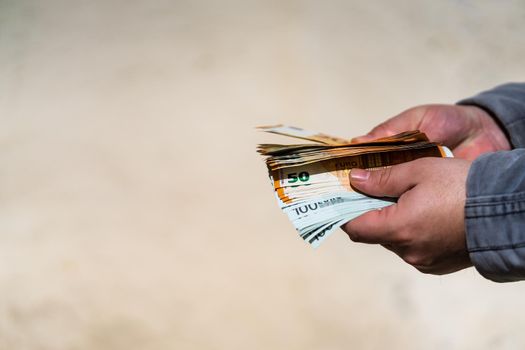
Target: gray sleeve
<point>495,205</point>
<point>506,104</point>
<point>495,215</point>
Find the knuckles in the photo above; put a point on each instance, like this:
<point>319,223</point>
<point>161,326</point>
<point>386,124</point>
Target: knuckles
<point>422,262</point>
<point>352,234</point>
<point>382,130</point>
<point>404,237</point>
<point>354,238</point>
<point>383,176</point>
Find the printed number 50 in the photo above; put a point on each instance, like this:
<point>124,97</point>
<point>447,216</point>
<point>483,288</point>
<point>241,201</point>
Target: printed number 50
<point>303,176</point>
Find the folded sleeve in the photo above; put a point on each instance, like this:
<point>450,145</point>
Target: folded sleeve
<point>495,215</point>
<point>506,104</point>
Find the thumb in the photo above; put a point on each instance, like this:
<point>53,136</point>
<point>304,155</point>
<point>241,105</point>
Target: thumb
<point>364,138</point>
<point>380,131</point>
<point>384,182</point>
<point>407,120</point>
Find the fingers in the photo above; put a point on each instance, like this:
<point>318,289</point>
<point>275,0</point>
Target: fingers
<point>425,227</point>
<point>408,120</point>
<point>386,182</point>
<point>377,226</point>
<point>382,130</point>
<point>384,225</point>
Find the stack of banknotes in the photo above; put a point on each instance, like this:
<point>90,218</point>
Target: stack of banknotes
<point>311,180</point>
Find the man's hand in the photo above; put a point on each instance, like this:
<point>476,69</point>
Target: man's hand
<point>426,226</point>
<point>468,130</point>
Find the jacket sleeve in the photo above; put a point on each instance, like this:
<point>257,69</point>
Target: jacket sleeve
<point>495,215</point>
<point>495,204</point>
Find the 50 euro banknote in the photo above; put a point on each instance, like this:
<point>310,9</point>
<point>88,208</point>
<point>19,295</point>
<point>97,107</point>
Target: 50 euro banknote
<point>312,183</point>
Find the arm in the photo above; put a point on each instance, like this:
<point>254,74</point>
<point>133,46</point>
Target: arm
<point>495,215</point>
<point>450,214</point>
<point>495,205</point>
<point>489,225</point>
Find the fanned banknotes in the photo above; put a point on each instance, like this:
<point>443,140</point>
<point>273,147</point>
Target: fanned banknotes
<point>311,180</point>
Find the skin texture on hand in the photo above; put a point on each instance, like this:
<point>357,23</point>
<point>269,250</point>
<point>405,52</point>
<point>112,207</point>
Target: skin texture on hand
<point>426,226</point>
<point>468,131</point>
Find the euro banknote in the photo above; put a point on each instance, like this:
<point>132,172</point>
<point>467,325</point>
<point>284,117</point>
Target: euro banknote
<point>311,180</point>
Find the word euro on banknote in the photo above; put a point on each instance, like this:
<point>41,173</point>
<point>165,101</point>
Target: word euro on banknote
<point>311,180</point>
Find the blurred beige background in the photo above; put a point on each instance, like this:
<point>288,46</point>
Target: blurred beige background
<point>135,213</point>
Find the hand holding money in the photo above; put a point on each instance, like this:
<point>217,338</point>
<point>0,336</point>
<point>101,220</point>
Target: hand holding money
<point>468,130</point>
<point>408,199</point>
<point>311,180</point>
<point>426,226</point>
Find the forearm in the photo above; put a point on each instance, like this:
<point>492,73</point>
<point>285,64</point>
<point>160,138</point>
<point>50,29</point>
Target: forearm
<point>495,215</point>
<point>506,103</point>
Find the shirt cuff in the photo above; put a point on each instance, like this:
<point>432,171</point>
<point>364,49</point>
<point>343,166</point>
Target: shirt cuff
<point>495,215</point>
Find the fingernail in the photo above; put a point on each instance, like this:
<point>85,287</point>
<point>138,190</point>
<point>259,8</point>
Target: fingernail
<point>357,174</point>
